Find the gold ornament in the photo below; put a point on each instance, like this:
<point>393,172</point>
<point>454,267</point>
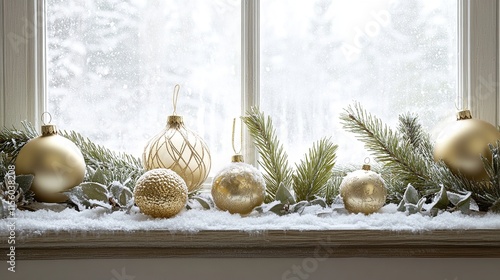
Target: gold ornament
<point>56,163</point>
<point>160,193</point>
<point>363,191</point>
<point>239,187</point>
<point>461,144</point>
<point>179,149</point>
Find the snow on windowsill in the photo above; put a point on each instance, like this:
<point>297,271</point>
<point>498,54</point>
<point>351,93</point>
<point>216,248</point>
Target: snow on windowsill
<point>195,220</point>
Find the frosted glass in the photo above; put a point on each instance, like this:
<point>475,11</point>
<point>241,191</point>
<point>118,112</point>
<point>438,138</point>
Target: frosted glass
<point>319,56</point>
<point>113,64</point>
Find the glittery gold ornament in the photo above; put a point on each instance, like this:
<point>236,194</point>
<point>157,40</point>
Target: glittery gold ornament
<point>160,193</point>
<point>461,144</point>
<point>179,149</point>
<point>239,187</point>
<point>56,163</point>
<point>363,191</point>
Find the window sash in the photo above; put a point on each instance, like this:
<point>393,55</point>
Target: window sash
<point>22,62</point>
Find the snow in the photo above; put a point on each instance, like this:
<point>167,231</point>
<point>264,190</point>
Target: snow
<point>194,220</point>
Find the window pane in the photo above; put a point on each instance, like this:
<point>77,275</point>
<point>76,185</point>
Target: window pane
<point>319,56</point>
<point>113,64</point>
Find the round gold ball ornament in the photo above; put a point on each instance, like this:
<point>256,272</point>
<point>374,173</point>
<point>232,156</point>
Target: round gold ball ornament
<point>461,144</point>
<point>160,193</point>
<point>239,187</point>
<point>179,149</point>
<point>56,163</point>
<point>363,191</point>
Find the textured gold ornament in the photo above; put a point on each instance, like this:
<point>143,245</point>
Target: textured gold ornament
<point>160,193</point>
<point>461,144</point>
<point>239,187</point>
<point>56,163</point>
<point>363,191</point>
<point>179,149</point>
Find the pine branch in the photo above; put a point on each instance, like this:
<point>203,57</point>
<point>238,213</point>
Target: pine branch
<point>412,132</point>
<point>487,194</point>
<point>314,171</point>
<point>274,159</point>
<point>113,166</point>
<point>12,140</point>
<point>407,158</point>
<point>388,148</point>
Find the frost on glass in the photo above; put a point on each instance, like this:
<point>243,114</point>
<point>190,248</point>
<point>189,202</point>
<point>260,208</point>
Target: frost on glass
<point>319,56</point>
<point>112,66</point>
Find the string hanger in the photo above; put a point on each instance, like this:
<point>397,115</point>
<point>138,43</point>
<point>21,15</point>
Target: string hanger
<point>237,151</point>
<point>43,119</point>
<point>177,88</point>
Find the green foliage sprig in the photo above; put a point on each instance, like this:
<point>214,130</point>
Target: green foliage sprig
<point>113,166</point>
<point>12,140</point>
<point>107,171</point>
<point>273,157</point>
<point>389,148</point>
<point>311,175</point>
<point>406,156</point>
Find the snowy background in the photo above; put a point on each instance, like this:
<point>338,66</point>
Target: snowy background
<point>112,66</point>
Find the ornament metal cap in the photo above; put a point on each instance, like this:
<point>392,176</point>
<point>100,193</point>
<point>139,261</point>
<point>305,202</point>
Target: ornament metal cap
<point>175,121</point>
<point>237,158</point>
<point>49,129</point>
<point>464,115</point>
<point>366,166</point>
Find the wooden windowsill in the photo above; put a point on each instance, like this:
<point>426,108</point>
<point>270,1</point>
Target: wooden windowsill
<point>274,243</point>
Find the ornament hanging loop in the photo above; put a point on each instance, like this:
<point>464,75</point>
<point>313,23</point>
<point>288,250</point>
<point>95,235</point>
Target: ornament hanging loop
<point>177,88</point>
<point>237,157</point>
<point>237,151</point>
<point>42,118</point>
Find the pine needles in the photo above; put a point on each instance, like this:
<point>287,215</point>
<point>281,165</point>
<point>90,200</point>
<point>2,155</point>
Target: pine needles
<point>315,170</point>
<point>312,174</point>
<point>112,166</point>
<point>411,131</point>
<point>12,140</point>
<point>274,159</point>
<point>389,148</point>
<point>406,156</point>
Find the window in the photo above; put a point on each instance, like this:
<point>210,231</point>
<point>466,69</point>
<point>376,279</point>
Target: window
<point>140,63</point>
<point>392,56</point>
<point>112,66</point>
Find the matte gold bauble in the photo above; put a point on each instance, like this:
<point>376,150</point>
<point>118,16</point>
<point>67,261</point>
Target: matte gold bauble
<point>160,193</point>
<point>56,163</point>
<point>239,187</point>
<point>461,144</point>
<point>179,149</point>
<point>363,191</point>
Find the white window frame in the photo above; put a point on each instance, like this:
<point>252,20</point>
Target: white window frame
<point>22,63</point>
